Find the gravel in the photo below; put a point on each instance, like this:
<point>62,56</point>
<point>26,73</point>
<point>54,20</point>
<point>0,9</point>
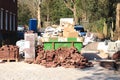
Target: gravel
<point>25,71</point>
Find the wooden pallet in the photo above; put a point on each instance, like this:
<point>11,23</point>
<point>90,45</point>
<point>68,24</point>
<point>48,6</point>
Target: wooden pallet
<point>9,60</point>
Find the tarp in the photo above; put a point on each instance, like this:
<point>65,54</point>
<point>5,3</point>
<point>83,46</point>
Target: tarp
<point>22,44</point>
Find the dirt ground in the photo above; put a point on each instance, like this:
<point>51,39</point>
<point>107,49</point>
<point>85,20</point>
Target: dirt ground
<point>25,71</point>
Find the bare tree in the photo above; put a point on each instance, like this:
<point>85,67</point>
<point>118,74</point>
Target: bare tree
<point>71,4</point>
<point>38,13</point>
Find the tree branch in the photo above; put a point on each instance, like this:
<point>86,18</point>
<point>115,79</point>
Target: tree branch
<point>68,5</point>
<point>73,1</point>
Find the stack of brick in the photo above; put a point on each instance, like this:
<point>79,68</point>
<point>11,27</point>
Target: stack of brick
<point>13,52</point>
<point>9,52</point>
<point>4,52</point>
<point>65,57</point>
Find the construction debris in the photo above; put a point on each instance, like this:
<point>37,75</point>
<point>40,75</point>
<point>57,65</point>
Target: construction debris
<point>116,56</point>
<point>65,57</point>
<point>69,31</point>
<point>30,37</point>
<point>9,52</point>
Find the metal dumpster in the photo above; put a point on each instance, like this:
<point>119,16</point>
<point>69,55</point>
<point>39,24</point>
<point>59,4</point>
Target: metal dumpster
<point>54,44</point>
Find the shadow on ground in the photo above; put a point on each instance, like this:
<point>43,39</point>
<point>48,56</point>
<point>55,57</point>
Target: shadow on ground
<point>100,73</point>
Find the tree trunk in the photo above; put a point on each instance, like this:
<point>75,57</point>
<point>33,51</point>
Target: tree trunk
<point>38,16</point>
<point>117,28</point>
<point>73,9</point>
<point>118,18</point>
<point>105,30</point>
<point>75,15</point>
<point>48,16</point>
<point>112,30</point>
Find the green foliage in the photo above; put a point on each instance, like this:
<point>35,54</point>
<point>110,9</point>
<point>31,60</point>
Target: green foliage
<point>81,7</point>
<point>23,14</point>
<point>52,9</point>
<point>97,26</point>
<point>57,10</point>
<point>97,11</point>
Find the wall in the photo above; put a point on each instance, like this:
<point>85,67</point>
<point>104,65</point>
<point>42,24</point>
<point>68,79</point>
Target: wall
<point>8,21</point>
<point>8,15</point>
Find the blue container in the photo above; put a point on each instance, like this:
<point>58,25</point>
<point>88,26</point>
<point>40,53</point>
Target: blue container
<point>33,25</point>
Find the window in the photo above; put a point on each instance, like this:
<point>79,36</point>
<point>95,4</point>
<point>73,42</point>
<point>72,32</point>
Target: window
<point>6,20</point>
<point>10,23</point>
<point>14,22</point>
<point>1,18</point>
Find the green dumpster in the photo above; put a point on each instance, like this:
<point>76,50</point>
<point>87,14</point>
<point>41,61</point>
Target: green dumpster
<point>56,45</point>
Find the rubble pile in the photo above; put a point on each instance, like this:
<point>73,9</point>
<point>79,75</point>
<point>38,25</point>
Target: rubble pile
<point>69,31</point>
<point>9,52</point>
<point>65,57</point>
<point>116,56</point>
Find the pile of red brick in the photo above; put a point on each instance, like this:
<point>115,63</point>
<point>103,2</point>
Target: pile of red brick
<point>65,57</point>
<point>116,56</point>
<point>9,52</point>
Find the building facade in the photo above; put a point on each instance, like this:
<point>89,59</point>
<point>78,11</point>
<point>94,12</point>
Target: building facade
<point>8,20</point>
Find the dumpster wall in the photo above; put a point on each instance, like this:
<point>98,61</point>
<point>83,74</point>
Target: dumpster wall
<point>56,45</point>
